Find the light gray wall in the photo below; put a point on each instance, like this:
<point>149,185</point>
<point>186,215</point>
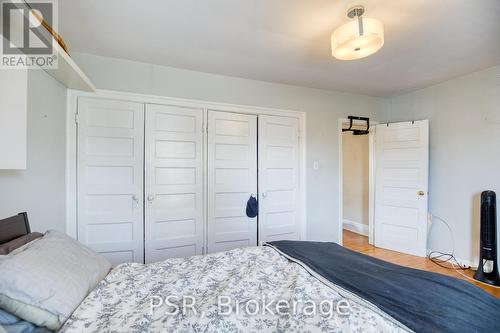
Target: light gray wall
<point>40,189</point>
<point>464,116</point>
<point>323,109</point>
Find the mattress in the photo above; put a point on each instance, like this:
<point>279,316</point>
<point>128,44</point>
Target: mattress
<point>253,289</point>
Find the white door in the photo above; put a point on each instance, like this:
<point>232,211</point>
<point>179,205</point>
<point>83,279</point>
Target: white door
<point>279,184</point>
<point>401,185</point>
<point>232,179</point>
<point>110,178</point>
<point>174,182</point>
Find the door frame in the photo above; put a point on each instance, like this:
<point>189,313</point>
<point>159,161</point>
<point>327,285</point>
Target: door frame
<point>371,181</point>
<point>71,142</point>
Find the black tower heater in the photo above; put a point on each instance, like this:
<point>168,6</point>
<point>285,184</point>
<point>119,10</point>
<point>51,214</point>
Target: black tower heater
<point>487,271</point>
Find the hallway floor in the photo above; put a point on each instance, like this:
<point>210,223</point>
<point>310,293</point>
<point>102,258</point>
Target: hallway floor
<point>360,244</point>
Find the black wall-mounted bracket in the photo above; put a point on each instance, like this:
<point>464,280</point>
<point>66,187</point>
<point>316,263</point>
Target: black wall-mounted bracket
<point>357,131</point>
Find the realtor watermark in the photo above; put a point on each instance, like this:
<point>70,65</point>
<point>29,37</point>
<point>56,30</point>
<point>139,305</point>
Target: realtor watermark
<point>26,42</point>
<point>174,305</point>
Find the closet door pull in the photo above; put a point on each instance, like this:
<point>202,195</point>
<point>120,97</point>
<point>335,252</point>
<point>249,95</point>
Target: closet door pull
<point>136,200</point>
<point>151,198</point>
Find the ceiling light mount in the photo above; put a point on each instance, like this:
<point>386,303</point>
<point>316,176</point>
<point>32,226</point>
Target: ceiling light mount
<point>356,11</point>
<point>357,38</point>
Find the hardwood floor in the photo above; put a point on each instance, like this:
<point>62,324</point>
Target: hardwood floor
<point>360,244</point>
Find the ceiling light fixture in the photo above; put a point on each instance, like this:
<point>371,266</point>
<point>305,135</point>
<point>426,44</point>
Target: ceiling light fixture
<point>358,38</point>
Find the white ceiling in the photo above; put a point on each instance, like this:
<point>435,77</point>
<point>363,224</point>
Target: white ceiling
<point>288,41</point>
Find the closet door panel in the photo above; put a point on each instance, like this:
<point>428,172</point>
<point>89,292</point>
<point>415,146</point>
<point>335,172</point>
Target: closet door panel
<point>110,178</point>
<point>174,182</point>
<point>278,178</point>
<point>232,178</point>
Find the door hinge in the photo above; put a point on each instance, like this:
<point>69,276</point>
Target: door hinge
<point>76,118</point>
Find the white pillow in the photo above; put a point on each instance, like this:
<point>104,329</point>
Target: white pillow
<point>44,281</point>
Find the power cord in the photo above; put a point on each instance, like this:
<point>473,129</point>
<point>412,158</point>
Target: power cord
<point>449,258</point>
<point>440,258</point>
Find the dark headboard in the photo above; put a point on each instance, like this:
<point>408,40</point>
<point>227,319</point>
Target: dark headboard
<point>14,227</point>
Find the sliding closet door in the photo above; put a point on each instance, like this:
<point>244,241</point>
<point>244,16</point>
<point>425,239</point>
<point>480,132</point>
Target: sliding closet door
<point>174,182</point>
<point>110,178</point>
<point>232,179</point>
<point>279,178</point>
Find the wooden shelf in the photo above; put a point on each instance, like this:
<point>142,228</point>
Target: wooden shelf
<point>68,72</point>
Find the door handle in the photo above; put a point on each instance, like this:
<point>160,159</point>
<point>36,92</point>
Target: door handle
<point>151,198</point>
<point>264,194</point>
<point>421,193</point>
<point>135,198</point>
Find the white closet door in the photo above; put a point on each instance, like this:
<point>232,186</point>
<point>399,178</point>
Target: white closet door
<point>279,178</point>
<point>174,182</point>
<point>232,179</point>
<point>110,178</point>
<point>402,158</point>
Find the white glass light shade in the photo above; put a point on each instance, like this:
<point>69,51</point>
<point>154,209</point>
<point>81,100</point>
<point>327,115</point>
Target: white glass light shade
<point>349,44</point>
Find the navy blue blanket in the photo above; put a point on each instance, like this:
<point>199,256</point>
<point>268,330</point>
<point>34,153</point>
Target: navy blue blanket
<point>422,301</point>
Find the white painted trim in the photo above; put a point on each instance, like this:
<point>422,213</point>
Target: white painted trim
<point>371,186</point>
<point>356,227</point>
<point>71,153</point>
<point>341,182</point>
<point>154,99</point>
<point>303,178</point>
<point>71,169</point>
<point>205,181</point>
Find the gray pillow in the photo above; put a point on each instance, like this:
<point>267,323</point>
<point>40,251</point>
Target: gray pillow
<point>44,281</point>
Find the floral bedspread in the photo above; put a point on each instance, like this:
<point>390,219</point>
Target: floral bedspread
<point>251,289</point>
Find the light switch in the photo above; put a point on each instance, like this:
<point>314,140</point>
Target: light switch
<point>315,165</point>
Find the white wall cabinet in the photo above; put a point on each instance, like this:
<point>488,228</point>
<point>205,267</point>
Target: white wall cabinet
<point>156,181</point>
<point>13,115</point>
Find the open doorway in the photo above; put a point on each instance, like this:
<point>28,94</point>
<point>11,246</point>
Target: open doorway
<point>356,190</point>
<point>396,164</point>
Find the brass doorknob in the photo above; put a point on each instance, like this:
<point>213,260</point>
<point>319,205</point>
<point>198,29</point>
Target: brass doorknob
<point>421,193</point>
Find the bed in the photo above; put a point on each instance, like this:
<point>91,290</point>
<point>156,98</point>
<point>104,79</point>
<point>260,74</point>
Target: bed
<point>285,286</point>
